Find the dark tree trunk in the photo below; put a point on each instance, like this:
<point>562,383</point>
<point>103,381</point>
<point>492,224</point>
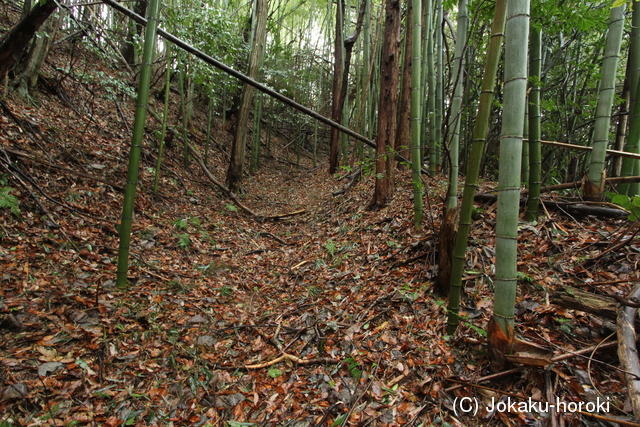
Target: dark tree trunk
<point>336,107</point>
<point>403,138</point>
<point>129,49</point>
<point>388,107</point>
<point>238,149</point>
<point>16,41</point>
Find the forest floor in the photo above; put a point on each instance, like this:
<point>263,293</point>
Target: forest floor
<point>323,318</point>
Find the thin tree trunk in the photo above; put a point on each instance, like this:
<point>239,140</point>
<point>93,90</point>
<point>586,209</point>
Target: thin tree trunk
<point>27,71</point>
<point>16,41</point>
<point>338,66</point>
<point>338,113</point>
<point>236,165</point>
<point>387,110</point>
<point>403,136</point>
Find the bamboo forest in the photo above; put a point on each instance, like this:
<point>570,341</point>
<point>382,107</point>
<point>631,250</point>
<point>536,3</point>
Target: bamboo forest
<point>314,213</point>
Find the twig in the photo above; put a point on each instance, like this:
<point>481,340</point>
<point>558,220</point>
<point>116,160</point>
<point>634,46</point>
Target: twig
<point>295,359</point>
<point>284,215</point>
<point>274,237</point>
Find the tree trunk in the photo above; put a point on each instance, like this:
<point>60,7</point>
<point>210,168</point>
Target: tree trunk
<point>403,135</point>
<point>388,106</point>
<point>16,41</point>
<point>344,52</point>
<point>134,30</point>
<point>27,70</point>
<point>236,165</point>
<point>336,107</point>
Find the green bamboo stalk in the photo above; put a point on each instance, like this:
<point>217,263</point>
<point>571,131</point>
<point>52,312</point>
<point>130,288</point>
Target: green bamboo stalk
<point>515,88</point>
<point>439,111</point>
<point>456,104</point>
<point>255,147</point>
<point>183,110</point>
<point>524,176</point>
<point>535,154</point>
<point>416,103</point>
<point>165,118</point>
<point>633,144</point>
<point>606,94</point>
<point>430,122</point>
<point>136,144</point>
<point>480,130</point>
<point>207,142</point>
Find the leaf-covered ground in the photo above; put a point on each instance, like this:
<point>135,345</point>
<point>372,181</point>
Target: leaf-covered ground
<point>326,317</point>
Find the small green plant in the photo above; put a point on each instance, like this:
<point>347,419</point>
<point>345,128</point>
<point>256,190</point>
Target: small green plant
<point>225,291</point>
<point>525,278</point>
<point>181,224</point>
<point>231,208</point>
<point>184,241</point>
<point>331,247</point>
<point>275,372</point>
<point>9,201</point>
<point>631,204</point>
<point>354,368</point>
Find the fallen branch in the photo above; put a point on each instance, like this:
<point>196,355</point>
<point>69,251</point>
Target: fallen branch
<point>628,351</point>
<point>555,359</point>
<point>295,359</point>
<point>573,208</point>
<point>274,237</point>
<point>219,184</point>
<point>353,178</point>
<point>578,299</point>
<point>285,215</point>
<point>578,184</point>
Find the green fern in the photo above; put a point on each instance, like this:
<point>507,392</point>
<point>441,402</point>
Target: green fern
<point>9,201</point>
<point>354,368</point>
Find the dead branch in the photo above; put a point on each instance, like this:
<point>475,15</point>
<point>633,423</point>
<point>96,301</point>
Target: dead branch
<point>353,178</point>
<point>285,215</point>
<point>628,351</point>
<point>573,208</point>
<point>274,237</point>
<point>295,359</point>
